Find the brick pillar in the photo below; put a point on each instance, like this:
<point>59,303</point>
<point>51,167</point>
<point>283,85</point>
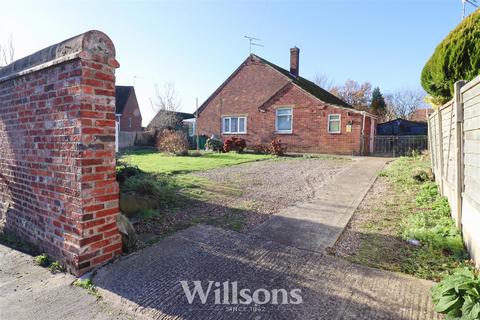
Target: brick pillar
<point>57,151</point>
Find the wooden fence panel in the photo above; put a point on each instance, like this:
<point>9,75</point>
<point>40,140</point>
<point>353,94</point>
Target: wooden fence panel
<point>448,146</point>
<point>454,131</point>
<point>471,170</point>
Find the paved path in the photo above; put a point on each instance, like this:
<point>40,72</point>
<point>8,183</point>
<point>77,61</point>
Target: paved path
<point>31,292</point>
<point>317,224</point>
<point>148,282</point>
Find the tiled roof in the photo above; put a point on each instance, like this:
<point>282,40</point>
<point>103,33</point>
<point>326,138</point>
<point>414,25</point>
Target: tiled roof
<point>121,97</point>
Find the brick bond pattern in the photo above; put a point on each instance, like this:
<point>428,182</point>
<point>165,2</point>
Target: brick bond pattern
<point>255,84</point>
<point>57,153</point>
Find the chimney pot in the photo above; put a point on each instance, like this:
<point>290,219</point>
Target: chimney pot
<point>294,60</point>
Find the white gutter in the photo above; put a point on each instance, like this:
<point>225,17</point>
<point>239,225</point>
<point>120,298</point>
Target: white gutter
<point>362,136</point>
<point>363,123</point>
<point>117,129</point>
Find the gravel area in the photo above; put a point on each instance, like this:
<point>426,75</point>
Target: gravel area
<point>269,186</point>
<point>243,196</point>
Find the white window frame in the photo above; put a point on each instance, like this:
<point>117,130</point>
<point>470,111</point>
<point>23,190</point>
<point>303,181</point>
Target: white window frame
<point>276,120</point>
<point>339,122</point>
<point>230,125</point>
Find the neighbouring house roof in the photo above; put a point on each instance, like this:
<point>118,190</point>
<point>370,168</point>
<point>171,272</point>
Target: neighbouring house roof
<point>181,115</point>
<point>122,93</point>
<point>398,120</point>
<point>308,86</point>
<point>421,115</point>
<point>401,126</point>
<point>301,82</point>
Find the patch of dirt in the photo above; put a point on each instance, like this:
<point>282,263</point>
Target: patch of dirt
<point>269,186</point>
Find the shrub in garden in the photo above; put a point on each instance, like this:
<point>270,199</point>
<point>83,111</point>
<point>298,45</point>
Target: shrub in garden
<point>456,58</point>
<point>173,142</point>
<point>277,148</point>
<point>234,144</point>
<point>458,295</point>
<point>158,186</point>
<point>125,171</point>
<point>261,148</point>
<point>142,191</point>
<point>213,144</point>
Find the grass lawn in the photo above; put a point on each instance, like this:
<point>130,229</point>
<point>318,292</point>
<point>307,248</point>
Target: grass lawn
<point>165,196</point>
<point>404,207</point>
<point>153,161</point>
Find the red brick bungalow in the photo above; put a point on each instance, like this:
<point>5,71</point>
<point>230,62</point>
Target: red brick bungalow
<point>127,111</point>
<point>261,101</point>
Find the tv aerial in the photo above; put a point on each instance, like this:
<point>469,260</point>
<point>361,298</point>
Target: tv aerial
<point>464,4</point>
<point>254,42</point>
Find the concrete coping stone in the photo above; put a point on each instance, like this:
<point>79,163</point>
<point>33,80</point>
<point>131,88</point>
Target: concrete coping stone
<point>90,45</point>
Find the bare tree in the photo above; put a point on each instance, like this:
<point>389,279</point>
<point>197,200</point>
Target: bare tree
<point>166,103</point>
<point>402,103</point>
<point>7,52</point>
<point>356,94</point>
<point>166,99</point>
<point>323,81</point>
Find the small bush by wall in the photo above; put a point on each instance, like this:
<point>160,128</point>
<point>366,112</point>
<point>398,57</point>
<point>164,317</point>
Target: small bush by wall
<point>234,144</point>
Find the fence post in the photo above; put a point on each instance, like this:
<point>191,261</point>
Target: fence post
<point>459,152</point>
<point>440,148</point>
<point>430,143</point>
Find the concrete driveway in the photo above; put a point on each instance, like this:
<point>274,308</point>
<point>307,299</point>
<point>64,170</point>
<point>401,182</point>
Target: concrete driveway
<point>284,257</point>
<point>317,224</point>
<point>285,253</point>
<point>148,282</point>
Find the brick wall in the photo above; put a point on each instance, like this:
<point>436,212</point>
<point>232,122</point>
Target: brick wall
<point>255,84</point>
<point>57,151</point>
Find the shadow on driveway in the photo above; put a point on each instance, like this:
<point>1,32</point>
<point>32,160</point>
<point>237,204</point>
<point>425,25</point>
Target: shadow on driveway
<point>148,282</point>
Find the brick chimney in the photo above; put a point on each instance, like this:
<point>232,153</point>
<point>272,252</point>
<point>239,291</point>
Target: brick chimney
<point>294,61</point>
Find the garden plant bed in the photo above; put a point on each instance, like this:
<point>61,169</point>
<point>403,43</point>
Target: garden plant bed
<point>217,190</point>
<point>397,210</point>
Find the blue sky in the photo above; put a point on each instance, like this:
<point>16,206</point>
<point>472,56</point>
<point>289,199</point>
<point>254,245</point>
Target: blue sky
<point>197,44</point>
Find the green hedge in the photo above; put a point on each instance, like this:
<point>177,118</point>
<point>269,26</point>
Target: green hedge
<point>457,57</point>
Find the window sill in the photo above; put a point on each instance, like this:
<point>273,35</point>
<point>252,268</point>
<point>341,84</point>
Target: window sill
<point>283,132</point>
<point>335,133</point>
<point>233,133</point>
